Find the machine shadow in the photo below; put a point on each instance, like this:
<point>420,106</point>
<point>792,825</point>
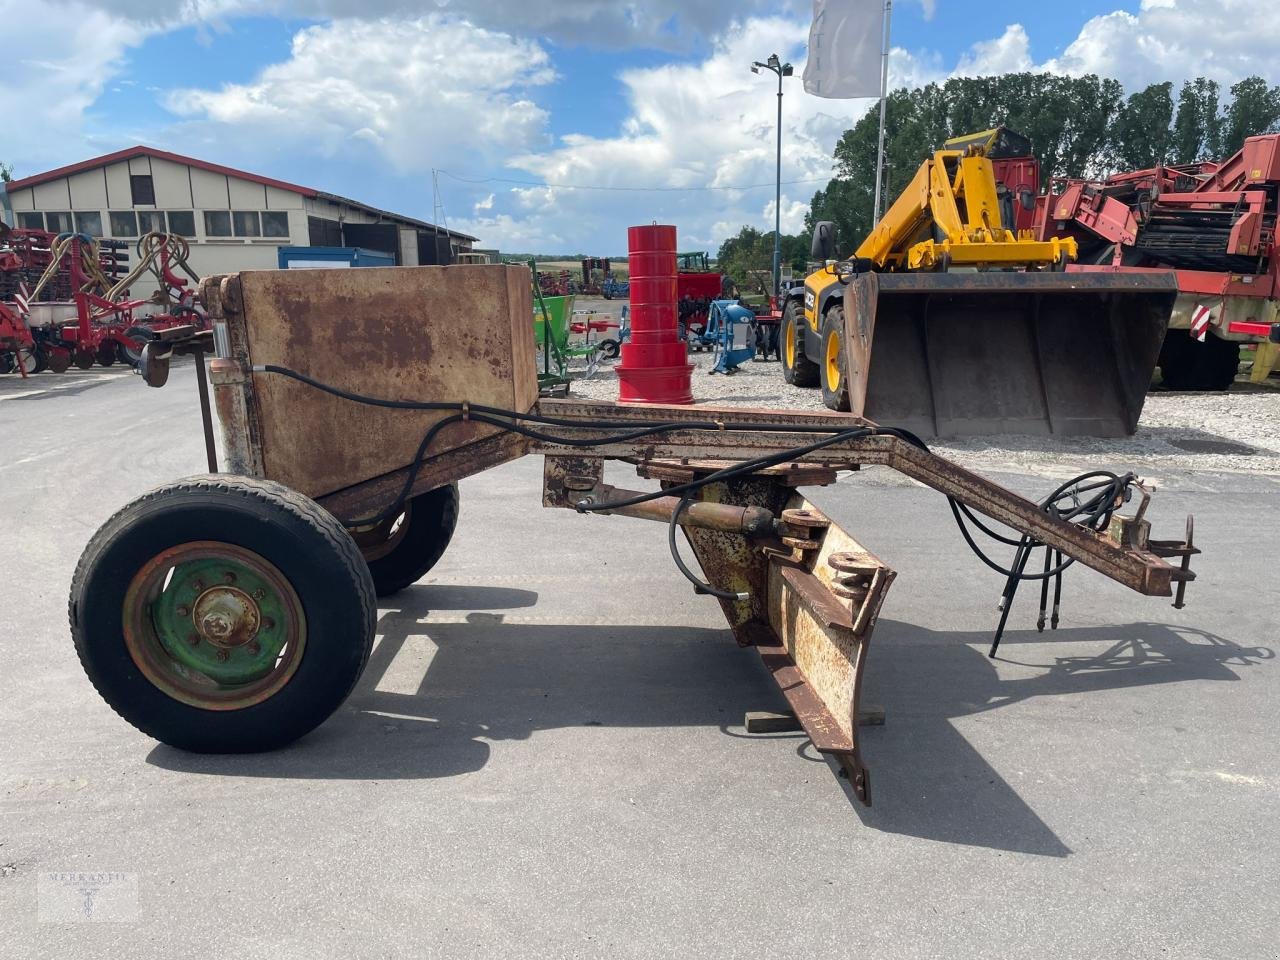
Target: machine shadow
<point>436,694</point>
<point>929,782</point>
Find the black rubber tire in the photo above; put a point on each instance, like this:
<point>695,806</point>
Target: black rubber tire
<point>835,396</point>
<point>609,348</point>
<point>82,359</point>
<point>1188,364</point>
<point>803,372</point>
<point>106,355</point>
<point>432,520</point>
<point>305,543</point>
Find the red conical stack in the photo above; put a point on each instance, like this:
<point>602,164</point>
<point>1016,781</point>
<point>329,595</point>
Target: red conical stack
<point>655,366</point>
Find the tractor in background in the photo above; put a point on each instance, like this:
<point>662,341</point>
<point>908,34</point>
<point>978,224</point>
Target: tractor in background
<point>697,285</point>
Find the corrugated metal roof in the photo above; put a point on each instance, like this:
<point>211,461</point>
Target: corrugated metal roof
<point>144,151</point>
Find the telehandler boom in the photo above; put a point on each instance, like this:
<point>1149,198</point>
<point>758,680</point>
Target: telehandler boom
<point>974,327</point>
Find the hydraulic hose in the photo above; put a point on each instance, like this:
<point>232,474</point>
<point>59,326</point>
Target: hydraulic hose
<point>1105,490</point>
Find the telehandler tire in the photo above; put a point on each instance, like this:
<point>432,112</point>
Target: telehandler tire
<point>834,381</point>
<point>797,369</point>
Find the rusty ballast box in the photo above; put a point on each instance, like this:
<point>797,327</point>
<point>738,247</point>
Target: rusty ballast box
<point>435,333</point>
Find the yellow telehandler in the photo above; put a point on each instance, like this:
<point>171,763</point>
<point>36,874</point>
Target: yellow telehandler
<point>948,322</point>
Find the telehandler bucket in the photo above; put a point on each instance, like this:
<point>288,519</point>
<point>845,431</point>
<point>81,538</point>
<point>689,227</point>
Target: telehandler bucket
<point>971,353</point>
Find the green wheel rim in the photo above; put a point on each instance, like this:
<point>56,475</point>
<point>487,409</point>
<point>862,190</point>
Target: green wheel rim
<point>214,625</point>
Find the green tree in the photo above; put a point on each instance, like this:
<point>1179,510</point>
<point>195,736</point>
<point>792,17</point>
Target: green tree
<point>747,258</point>
<point>1141,134</point>
<point>6,172</point>
<point>1197,126</point>
<point>1067,119</point>
<point>1254,109</point>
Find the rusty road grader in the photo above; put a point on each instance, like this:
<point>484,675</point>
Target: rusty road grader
<point>234,611</point>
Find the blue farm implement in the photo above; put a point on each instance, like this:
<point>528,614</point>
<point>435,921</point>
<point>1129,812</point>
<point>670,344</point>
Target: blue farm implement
<point>731,332</point>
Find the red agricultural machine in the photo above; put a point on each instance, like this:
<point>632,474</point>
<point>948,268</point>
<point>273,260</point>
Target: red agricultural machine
<point>65,299</point>
<point>1214,225</point>
<point>697,286</point>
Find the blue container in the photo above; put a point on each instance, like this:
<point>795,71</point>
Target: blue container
<point>328,258</point>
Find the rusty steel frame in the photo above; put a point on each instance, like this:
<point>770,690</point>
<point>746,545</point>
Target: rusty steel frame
<point>807,594</point>
<point>1136,568</point>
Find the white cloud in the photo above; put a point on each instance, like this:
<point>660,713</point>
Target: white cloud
<point>418,92</point>
<point>695,124</point>
<point>1008,53</point>
<point>708,123</point>
<point>1177,39</point>
<point>60,58</point>
<point>664,24</point>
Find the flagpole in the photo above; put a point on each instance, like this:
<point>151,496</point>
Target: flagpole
<point>884,96</point>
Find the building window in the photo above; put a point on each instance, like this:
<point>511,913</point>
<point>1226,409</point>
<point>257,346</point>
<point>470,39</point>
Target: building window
<point>182,223</point>
<point>142,189</point>
<point>31,221</point>
<point>217,223</point>
<point>150,221</point>
<point>275,223</point>
<point>246,223</point>
<point>324,233</point>
<point>123,223</point>
<point>58,222</point>
<point>89,224</point>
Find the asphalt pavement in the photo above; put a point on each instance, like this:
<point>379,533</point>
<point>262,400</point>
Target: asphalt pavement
<point>546,757</point>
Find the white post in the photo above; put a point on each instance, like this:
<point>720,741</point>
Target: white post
<point>884,96</point>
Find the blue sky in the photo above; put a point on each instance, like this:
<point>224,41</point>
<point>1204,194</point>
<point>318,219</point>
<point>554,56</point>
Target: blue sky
<point>367,98</point>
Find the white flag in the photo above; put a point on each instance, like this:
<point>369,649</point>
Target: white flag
<point>845,44</point>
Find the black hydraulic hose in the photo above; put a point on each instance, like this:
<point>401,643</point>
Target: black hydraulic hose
<point>1094,512</point>
<point>727,473</point>
<point>600,424</point>
<point>699,585</point>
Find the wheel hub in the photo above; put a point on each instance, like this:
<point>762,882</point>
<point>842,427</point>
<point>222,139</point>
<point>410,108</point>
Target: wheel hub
<point>214,625</point>
<point>226,616</point>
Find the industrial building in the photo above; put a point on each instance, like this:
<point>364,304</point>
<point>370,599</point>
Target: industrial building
<point>234,220</point>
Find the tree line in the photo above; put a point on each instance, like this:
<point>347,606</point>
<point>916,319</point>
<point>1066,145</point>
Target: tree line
<point>1078,126</point>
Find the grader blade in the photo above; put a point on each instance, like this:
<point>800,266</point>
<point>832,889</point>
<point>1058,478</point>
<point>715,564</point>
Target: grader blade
<point>971,354</point>
<point>807,594</point>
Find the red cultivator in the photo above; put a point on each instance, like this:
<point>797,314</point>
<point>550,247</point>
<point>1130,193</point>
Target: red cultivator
<point>69,300</point>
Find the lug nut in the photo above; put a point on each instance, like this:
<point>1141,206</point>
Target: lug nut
<point>267,623</point>
<point>229,577</point>
<point>224,655</point>
<point>197,585</point>
<point>193,638</point>
<point>255,647</point>
<point>259,594</point>
<point>182,610</point>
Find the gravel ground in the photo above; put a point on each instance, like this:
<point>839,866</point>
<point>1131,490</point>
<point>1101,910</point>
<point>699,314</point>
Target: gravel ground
<point>1237,431</point>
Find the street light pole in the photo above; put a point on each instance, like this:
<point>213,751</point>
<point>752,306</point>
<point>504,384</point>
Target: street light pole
<point>782,70</point>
